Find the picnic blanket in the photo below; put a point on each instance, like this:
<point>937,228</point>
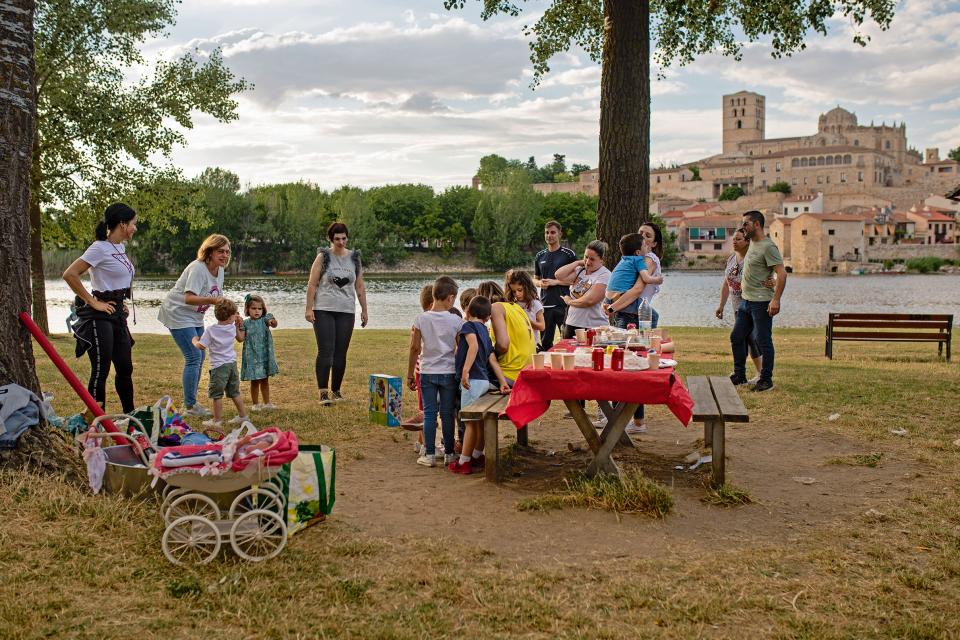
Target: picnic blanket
<point>535,388</point>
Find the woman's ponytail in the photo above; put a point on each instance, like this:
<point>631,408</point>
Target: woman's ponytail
<point>101,231</point>
<point>115,214</point>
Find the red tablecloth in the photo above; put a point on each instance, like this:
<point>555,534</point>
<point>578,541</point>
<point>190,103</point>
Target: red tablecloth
<point>534,389</point>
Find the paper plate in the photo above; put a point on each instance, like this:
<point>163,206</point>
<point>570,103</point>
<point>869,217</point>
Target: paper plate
<point>667,362</point>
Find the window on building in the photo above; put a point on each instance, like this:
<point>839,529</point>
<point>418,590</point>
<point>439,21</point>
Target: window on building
<point>843,177</point>
<point>821,161</point>
<point>856,143</point>
<point>806,209</point>
<point>804,232</point>
<point>859,176</point>
<point>871,241</point>
<point>827,178</point>
<point>886,145</point>
<point>832,232</point>
<point>696,246</point>
<point>847,159</point>
<point>763,167</point>
<point>739,124</point>
<point>694,233</point>
<point>778,166</point>
<point>831,252</point>
<point>734,113</point>
<point>794,182</point>
<point>804,180</point>
<point>795,163</point>
<point>819,179</point>
<point>718,246</point>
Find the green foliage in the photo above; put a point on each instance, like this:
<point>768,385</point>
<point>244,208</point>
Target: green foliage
<point>506,222</point>
<point>731,193</point>
<point>576,213</point>
<point>100,134</point>
<point>780,186</point>
<point>954,154</point>
<point>494,169</point>
<point>926,264</point>
<point>632,493</point>
<point>695,170</point>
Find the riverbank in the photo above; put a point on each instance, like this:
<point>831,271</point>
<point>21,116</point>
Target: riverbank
<point>852,531</point>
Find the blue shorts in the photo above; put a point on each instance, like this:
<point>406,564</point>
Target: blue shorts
<point>477,389</point>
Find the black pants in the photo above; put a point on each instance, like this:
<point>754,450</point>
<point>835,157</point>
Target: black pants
<point>111,344</point>
<point>333,330</point>
<point>553,317</point>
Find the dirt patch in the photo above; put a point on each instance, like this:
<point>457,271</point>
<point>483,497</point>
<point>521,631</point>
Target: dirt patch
<point>386,493</point>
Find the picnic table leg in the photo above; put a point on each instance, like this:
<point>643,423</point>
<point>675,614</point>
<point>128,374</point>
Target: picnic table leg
<point>609,411</point>
<point>602,460</point>
<point>522,434</point>
<point>583,422</point>
<point>719,453</point>
<point>708,433</point>
<point>491,449</point>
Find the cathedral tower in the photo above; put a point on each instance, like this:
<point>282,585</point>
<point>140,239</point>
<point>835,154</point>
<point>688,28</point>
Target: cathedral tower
<point>744,119</point>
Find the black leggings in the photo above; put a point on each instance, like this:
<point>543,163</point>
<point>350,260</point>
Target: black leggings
<point>111,343</point>
<point>333,330</point>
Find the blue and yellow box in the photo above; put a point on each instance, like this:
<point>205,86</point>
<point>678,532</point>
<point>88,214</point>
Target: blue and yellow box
<point>386,395</point>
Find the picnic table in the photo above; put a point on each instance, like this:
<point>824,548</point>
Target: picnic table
<point>618,393</point>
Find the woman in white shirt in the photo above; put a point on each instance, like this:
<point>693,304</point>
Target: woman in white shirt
<point>101,329</point>
<point>588,284</point>
<point>199,287</point>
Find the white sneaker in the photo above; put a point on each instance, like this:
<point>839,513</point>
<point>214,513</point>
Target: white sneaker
<point>256,407</point>
<point>211,423</point>
<point>600,423</point>
<point>634,429</point>
<point>238,419</point>
<point>427,460</point>
<point>754,380</point>
<point>269,407</point>
<point>197,410</point>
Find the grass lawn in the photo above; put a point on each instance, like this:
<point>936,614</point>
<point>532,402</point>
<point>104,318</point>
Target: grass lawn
<point>885,563</point>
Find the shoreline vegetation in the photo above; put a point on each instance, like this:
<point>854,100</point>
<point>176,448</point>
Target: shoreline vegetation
<point>825,550</point>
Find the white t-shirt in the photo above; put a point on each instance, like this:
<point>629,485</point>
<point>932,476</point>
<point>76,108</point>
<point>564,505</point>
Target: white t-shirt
<point>110,268</point>
<point>196,278</point>
<point>218,339</point>
<point>592,316</point>
<point>535,307</point>
<point>438,347</point>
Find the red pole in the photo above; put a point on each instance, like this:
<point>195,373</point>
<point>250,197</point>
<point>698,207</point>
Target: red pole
<point>65,371</point>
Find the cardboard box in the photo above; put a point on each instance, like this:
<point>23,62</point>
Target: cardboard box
<point>386,395</point>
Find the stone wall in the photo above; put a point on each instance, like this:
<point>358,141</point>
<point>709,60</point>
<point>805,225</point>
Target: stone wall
<point>908,251</point>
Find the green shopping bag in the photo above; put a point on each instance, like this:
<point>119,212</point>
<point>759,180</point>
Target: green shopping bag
<point>309,485</point>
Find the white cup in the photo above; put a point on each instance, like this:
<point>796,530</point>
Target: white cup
<point>538,360</point>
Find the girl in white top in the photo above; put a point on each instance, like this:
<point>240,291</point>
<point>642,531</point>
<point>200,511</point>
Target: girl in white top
<point>522,290</point>
<point>198,288</point>
<point>101,329</point>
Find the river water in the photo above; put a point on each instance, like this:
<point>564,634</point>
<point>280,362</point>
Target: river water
<point>687,298</point>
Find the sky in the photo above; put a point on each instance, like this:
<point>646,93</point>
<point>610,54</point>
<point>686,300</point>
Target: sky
<point>370,92</point>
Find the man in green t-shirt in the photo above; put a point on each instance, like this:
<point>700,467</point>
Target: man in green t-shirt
<point>760,303</point>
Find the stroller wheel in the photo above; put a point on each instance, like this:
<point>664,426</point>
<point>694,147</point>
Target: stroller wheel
<point>258,535</point>
<point>191,540</point>
<point>192,504</point>
<point>251,499</point>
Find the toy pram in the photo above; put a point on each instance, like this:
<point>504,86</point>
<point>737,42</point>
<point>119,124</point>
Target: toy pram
<point>127,464</point>
<point>254,524</point>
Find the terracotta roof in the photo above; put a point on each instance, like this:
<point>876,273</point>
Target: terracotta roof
<point>673,213</point>
<point>900,216</point>
<point>832,217</point>
<point>933,216</point>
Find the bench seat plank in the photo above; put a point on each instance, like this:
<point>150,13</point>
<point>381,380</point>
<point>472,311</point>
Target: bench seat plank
<point>892,336</point>
<point>704,404</point>
<point>895,324</point>
<point>728,400</point>
<point>479,407</point>
<point>892,316</point>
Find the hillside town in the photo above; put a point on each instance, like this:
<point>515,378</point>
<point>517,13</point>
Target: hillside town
<point>844,199</point>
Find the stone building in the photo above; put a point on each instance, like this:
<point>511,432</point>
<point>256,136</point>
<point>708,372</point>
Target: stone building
<point>819,242</point>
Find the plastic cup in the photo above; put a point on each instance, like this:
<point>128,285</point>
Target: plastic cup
<point>569,361</point>
<point>556,361</point>
<point>654,360</point>
<point>655,342</point>
<point>539,360</point>
<point>581,335</point>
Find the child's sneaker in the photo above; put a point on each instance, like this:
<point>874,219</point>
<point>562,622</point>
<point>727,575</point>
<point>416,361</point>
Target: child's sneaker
<point>463,469</point>
<point>450,457</point>
<point>427,460</point>
<point>635,428</point>
<point>269,407</point>
<point>415,421</point>
<point>197,410</point>
<point>212,423</point>
<point>256,407</point>
<point>238,420</point>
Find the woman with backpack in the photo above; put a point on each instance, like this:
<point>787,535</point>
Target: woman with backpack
<point>335,285</point>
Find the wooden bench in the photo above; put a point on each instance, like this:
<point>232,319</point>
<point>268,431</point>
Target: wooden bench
<point>890,327</point>
<point>715,402</point>
<point>488,409</point>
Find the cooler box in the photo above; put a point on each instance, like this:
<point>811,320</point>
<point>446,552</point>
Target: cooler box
<point>386,393</point>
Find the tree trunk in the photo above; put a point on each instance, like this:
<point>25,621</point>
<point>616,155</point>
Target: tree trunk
<point>624,122</point>
<point>38,448</point>
<point>36,247</point>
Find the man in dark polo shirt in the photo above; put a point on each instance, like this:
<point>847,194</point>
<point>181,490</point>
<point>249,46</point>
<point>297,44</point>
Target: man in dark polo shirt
<point>545,267</point>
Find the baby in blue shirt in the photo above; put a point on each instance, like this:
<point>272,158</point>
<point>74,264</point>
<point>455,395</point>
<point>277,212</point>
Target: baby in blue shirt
<point>633,273</point>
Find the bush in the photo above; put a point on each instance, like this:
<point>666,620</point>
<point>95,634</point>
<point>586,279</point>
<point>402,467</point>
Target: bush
<point>888,264</point>
<point>926,264</point>
<point>781,186</point>
<point>731,193</point>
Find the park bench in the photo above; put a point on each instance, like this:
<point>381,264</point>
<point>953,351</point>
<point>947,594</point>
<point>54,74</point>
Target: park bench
<point>488,409</point>
<point>715,402</point>
<point>890,327</point>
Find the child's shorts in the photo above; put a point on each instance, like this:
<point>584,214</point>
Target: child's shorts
<point>477,389</point>
<point>224,380</point>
